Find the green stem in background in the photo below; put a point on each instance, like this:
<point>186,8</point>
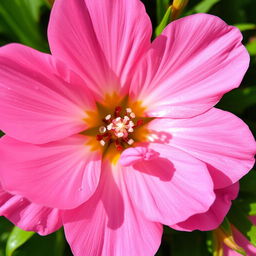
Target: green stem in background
<point>172,13</point>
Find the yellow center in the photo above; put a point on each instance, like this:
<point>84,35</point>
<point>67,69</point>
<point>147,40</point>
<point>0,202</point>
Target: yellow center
<point>116,124</point>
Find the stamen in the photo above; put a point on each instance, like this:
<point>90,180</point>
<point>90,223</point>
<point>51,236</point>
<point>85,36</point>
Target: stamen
<point>108,117</point>
<point>110,126</point>
<point>102,143</point>
<point>131,123</point>
<point>130,130</point>
<point>132,115</point>
<point>126,118</point>
<point>130,141</point>
<point>102,129</point>
<point>120,134</point>
<point>118,128</point>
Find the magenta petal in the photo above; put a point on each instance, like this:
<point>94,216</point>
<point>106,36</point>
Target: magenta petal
<point>61,174</point>
<point>105,39</point>
<point>29,216</point>
<point>170,187</point>
<point>217,137</point>
<point>215,215</point>
<point>190,66</point>
<point>109,224</point>
<point>40,99</point>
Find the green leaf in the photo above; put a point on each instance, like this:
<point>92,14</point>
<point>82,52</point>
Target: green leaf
<point>245,26</point>
<point>240,220</point>
<point>59,243</point>
<point>161,7</point>
<point>17,238</point>
<point>164,22</point>
<point>251,47</point>
<point>51,245</point>
<point>20,20</point>
<point>205,6</point>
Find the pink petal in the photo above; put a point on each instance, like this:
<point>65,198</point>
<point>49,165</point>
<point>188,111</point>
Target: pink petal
<point>215,215</point>
<point>241,241</point>
<point>40,99</point>
<point>190,66</point>
<point>109,224</point>
<point>29,216</point>
<point>102,39</point>
<point>168,188</point>
<point>61,174</point>
<point>216,137</point>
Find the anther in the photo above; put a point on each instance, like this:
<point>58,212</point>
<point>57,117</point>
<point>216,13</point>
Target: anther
<point>132,115</point>
<point>126,118</point>
<point>108,117</point>
<point>131,123</point>
<point>130,141</point>
<point>102,143</point>
<point>130,129</point>
<point>110,126</point>
<point>102,129</point>
<point>120,134</point>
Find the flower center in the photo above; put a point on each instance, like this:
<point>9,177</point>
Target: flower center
<point>118,128</point>
<point>113,125</point>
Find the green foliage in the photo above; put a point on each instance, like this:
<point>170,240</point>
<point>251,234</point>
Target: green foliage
<point>16,242</point>
<point>251,47</point>
<point>239,218</point>
<point>17,238</point>
<point>20,22</point>
<point>245,26</point>
<point>204,6</point>
<point>161,8</point>
<point>164,22</point>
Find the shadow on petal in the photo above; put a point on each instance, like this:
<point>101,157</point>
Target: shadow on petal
<point>158,167</point>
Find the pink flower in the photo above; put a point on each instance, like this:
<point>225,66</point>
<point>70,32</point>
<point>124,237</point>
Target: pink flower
<point>116,135</point>
<point>241,241</point>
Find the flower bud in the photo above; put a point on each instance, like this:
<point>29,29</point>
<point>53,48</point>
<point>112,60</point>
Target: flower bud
<point>177,8</point>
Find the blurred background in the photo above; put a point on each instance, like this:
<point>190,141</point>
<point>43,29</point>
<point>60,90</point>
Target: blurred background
<point>25,21</point>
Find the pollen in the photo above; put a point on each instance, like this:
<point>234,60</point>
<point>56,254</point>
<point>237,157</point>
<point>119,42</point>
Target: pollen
<point>118,128</point>
<point>115,124</point>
